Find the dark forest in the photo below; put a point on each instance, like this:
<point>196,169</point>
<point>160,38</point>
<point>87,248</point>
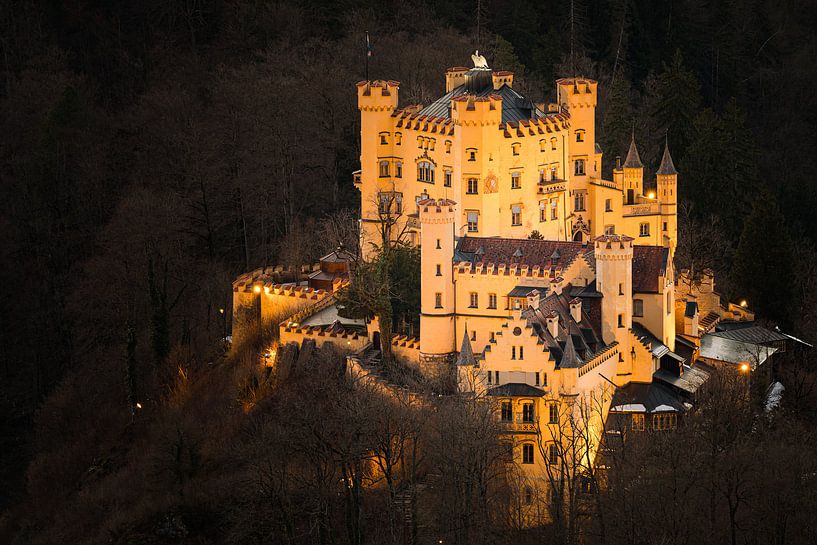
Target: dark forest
<point>151,151</point>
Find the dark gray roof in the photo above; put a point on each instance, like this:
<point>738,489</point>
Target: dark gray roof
<point>633,160</point>
<point>466,355</point>
<point>652,343</point>
<point>728,350</point>
<point>691,379</point>
<point>646,397</point>
<point>516,389</point>
<point>667,167</point>
<point>515,107</point>
<point>569,357</point>
<point>753,334</point>
<point>523,291</point>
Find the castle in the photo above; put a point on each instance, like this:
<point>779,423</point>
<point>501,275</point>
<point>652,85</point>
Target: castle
<point>591,307</point>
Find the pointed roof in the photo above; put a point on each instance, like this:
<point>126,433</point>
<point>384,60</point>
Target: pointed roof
<point>667,166</point>
<point>633,160</point>
<point>466,355</point>
<point>569,357</point>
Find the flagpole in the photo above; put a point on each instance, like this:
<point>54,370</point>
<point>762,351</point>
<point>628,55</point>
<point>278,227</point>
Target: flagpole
<point>368,51</point>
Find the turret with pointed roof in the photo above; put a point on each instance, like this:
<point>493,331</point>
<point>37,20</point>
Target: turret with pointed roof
<point>633,160</point>
<point>466,355</point>
<point>667,167</point>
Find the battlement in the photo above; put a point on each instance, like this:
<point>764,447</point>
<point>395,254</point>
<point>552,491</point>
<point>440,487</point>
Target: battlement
<point>437,210</point>
<point>549,124</point>
<point>506,269</point>
<point>578,92</point>
<point>409,119</point>
<point>471,110</point>
<point>613,242</point>
<point>377,95</point>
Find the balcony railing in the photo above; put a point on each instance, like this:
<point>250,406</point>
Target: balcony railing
<point>648,209</point>
<point>519,425</point>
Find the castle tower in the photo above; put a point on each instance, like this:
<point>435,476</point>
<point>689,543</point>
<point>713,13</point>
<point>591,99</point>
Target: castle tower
<point>667,186</point>
<point>437,306</point>
<point>578,96</point>
<point>376,101</point>
<point>614,279</point>
<point>633,174</point>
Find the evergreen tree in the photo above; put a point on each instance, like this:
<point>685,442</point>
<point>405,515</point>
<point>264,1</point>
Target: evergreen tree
<point>762,272</point>
<point>618,116</point>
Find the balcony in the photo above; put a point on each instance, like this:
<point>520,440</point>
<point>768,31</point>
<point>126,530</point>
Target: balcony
<point>551,186</point>
<point>645,209</point>
<point>518,425</point>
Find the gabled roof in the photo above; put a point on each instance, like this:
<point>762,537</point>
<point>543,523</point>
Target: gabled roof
<point>689,382</point>
<point>515,107</point>
<point>652,343</point>
<point>753,334</point>
<point>516,389</point>
<point>633,160</point>
<point>650,397</point>
<point>667,167</point>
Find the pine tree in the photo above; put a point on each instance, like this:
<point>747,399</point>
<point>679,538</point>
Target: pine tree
<point>618,116</point>
<point>762,271</point>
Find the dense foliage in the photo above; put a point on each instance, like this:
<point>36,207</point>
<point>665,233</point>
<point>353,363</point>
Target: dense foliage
<point>152,150</point>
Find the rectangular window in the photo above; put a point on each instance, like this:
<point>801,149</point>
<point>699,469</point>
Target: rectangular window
<point>644,230</point>
<point>507,410</point>
<point>516,180</point>
<point>490,377</point>
<point>637,422</point>
<point>553,453</point>
<point>544,379</point>
<point>620,320</point>
<point>537,378</point>
<point>527,412</point>
<point>516,215</point>
<point>542,144</point>
<point>521,352</point>
<point>663,421</point>
<point>527,453</point>
<point>398,170</point>
<point>579,167</point>
<point>665,226</point>
<point>447,180</point>
<point>491,300</point>
<point>542,176</point>
<point>474,300</point>
<point>472,154</point>
<point>608,205</point>
<point>609,229</point>
<point>515,148</point>
<point>473,335</point>
<point>398,138</point>
<point>553,144</point>
<point>638,307</point>
<point>496,377</point>
<point>425,172</point>
<point>554,209</point>
<point>438,300</point>
<point>513,352</point>
<point>620,288</point>
<point>543,211</point>
<point>448,146</point>
<point>384,169</point>
<point>579,202</point>
<point>473,221</point>
<point>580,136</point>
<point>471,188</point>
<point>384,138</point>
<point>439,270</point>
<point>553,413</point>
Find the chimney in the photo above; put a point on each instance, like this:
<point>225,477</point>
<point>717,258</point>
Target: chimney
<point>576,310</point>
<point>553,324</point>
<point>618,162</point>
<point>556,285</point>
<point>533,299</point>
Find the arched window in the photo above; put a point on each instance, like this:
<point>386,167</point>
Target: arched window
<point>553,143</point>
<point>398,169</point>
<point>580,135</point>
<point>542,144</point>
<point>516,147</point>
<point>384,169</point>
<point>425,172</point>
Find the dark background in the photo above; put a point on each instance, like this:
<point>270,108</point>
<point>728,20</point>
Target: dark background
<point>152,150</point>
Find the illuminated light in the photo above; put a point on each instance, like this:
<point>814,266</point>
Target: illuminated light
<point>138,405</point>
<point>256,289</point>
<point>744,367</point>
<point>221,311</point>
<point>349,343</point>
<point>743,303</point>
<point>266,289</point>
<point>651,195</point>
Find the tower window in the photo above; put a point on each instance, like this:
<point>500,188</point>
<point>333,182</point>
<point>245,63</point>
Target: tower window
<point>474,300</point>
<point>608,205</point>
<point>579,202</point>
<point>521,352</point>
<point>473,221</point>
<point>491,300</point>
<point>620,288</point>
<point>527,453</point>
<point>516,180</point>
<point>665,226</point>
<point>439,270</point>
<point>579,167</point>
<point>474,335</point>
<point>448,146</point>
<point>644,230</point>
<point>580,136</point>
<point>554,209</point>
<point>516,215</point>
<point>447,178</point>
<point>438,300</point>
<point>398,167</point>
<point>438,245</point>
<point>384,138</point>
<point>638,307</point>
<point>620,320</point>
<point>513,352</point>
<point>472,154</point>
<point>398,138</point>
<point>553,144</point>
<point>472,186</point>
<point>515,147</point>
<point>384,169</point>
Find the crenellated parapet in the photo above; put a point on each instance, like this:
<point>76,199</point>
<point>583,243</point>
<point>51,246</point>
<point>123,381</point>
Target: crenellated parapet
<point>377,96</point>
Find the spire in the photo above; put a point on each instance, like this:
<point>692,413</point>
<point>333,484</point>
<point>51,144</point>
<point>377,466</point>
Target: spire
<point>466,355</point>
<point>633,160</point>
<point>569,357</point>
<point>667,166</point>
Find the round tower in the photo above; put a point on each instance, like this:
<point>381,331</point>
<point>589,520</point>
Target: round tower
<point>614,279</point>
<point>667,187</point>
<point>437,306</point>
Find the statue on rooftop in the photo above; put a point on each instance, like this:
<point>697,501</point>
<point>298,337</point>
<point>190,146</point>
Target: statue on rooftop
<point>479,60</point>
